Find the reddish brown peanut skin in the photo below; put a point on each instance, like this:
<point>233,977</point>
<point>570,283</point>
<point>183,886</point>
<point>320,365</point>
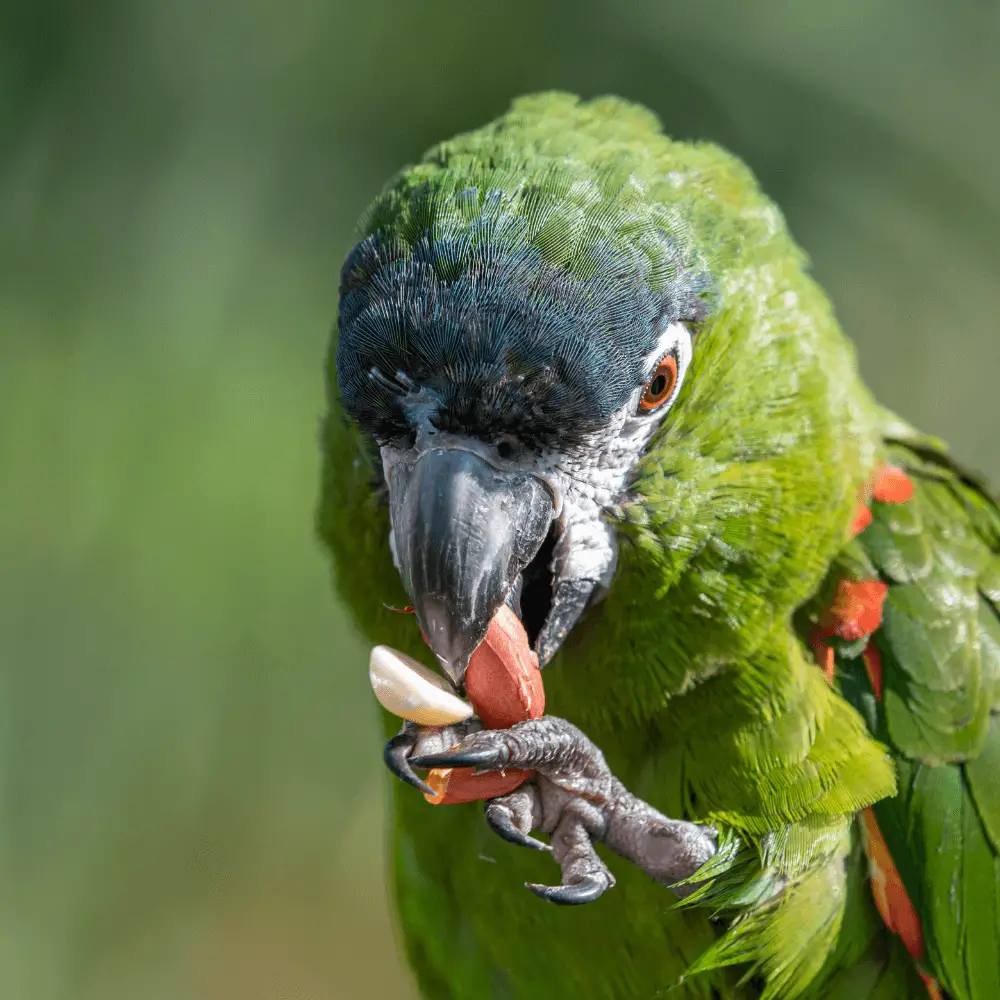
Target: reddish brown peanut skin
<point>504,684</point>
<point>461,784</point>
<point>503,681</point>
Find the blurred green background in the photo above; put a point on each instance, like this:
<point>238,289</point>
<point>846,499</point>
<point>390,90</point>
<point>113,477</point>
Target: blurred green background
<point>191,787</point>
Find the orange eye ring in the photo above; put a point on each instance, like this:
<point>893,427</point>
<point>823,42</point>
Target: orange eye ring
<point>661,386</point>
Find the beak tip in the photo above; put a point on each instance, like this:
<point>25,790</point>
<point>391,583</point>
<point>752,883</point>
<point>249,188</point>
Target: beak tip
<point>452,642</point>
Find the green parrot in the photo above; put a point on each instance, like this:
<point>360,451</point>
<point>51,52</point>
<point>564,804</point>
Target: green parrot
<point>580,369</point>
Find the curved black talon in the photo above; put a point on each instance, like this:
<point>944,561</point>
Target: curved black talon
<point>484,759</point>
<point>397,758</point>
<point>589,888</point>
<point>499,821</point>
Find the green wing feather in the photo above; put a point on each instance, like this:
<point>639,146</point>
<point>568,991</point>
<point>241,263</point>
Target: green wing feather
<point>939,645</point>
<point>867,962</point>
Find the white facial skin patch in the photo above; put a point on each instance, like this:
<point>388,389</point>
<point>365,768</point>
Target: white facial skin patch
<point>593,478</point>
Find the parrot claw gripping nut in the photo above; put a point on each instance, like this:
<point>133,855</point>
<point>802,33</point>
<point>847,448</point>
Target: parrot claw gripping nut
<point>410,690</point>
<point>402,746</point>
<point>576,800</point>
<point>566,789</point>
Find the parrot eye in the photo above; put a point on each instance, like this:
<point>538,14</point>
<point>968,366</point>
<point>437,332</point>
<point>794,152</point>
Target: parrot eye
<point>661,386</point>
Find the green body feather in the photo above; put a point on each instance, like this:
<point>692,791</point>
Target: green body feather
<point>691,675</point>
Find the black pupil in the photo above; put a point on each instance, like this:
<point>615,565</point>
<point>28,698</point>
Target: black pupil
<point>505,449</point>
<point>658,385</point>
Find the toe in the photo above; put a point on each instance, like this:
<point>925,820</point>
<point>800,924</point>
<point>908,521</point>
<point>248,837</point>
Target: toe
<point>397,756</point>
<point>485,751</point>
<point>589,888</point>
<point>501,818</point>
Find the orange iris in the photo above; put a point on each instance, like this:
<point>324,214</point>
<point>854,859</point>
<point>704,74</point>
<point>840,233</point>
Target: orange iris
<point>661,386</point>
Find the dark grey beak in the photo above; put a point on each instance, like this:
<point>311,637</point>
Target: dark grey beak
<point>462,533</point>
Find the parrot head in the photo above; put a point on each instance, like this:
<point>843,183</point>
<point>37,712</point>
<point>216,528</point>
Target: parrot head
<point>516,327</point>
<point>510,406</point>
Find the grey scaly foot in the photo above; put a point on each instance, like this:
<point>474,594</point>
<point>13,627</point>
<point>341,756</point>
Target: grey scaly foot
<point>576,799</point>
